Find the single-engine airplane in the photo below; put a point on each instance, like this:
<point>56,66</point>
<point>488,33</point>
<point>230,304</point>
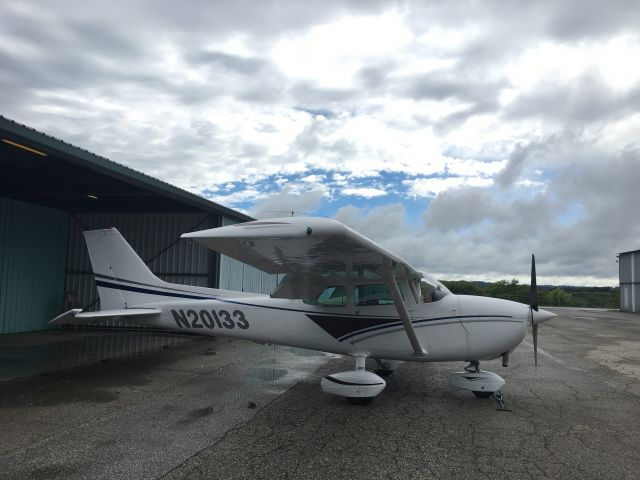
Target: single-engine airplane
<point>341,293</point>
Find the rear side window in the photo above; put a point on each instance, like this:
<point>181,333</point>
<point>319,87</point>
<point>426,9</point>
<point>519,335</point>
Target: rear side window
<point>330,297</point>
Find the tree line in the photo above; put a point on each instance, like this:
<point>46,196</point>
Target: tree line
<point>565,296</point>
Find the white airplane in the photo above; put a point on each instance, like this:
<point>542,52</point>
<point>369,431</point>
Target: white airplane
<point>341,293</point>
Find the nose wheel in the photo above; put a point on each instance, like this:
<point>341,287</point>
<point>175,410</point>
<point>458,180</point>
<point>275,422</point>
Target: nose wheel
<point>479,382</point>
<point>481,394</point>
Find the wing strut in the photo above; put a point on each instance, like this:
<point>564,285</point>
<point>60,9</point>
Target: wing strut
<point>404,314</point>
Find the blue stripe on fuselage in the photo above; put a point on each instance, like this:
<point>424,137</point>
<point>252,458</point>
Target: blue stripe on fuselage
<point>393,322</point>
<point>130,288</point>
<point>415,322</point>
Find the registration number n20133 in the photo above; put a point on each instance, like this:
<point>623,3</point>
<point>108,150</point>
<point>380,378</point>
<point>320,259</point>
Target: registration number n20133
<point>210,319</point>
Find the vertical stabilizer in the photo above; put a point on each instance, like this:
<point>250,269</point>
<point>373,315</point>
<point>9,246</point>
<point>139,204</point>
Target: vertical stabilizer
<point>121,275</point>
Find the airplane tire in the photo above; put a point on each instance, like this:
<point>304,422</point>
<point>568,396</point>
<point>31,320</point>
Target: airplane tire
<point>482,394</point>
<point>382,372</point>
<point>360,400</point>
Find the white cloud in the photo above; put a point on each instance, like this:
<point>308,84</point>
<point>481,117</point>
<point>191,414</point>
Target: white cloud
<point>569,61</point>
<point>365,192</point>
<point>380,223</point>
<point>313,179</point>
<point>530,183</point>
<point>430,187</point>
<point>474,168</point>
<point>331,54</point>
<point>240,196</point>
<point>280,204</point>
<point>332,102</point>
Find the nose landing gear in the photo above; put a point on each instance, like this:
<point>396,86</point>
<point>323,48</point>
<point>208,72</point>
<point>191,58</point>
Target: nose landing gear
<point>482,384</point>
<point>473,367</point>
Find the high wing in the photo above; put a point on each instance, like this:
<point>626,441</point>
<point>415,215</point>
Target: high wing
<point>301,245</point>
<point>312,252</point>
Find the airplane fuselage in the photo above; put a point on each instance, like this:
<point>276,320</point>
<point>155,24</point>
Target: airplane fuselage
<point>455,328</point>
<point>340,293</point>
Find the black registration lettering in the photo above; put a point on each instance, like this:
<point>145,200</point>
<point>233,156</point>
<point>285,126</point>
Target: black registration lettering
<point>226,319</point>
<point>180,318</point>
<point>207,319</point>
<point>216,318</point>
<point>242,321</point>
<point>195,320</point>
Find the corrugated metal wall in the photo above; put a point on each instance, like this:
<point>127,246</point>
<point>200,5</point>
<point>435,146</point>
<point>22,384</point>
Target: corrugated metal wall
<point>155,237</point>
<point>235,275</point>
<point>36,284</point>
<point>33,241</point>
<point>629,265</point>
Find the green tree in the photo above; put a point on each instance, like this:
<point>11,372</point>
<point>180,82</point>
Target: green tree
<point>462,287</point>
<point>559,297</point>
<point>504,288</point>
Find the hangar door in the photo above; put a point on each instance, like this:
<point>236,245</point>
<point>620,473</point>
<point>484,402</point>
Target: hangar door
<point>33,243</point>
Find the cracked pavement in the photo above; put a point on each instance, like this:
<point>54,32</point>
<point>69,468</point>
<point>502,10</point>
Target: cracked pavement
<point>574,417</point>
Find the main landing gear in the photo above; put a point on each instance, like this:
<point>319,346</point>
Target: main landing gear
<point>358,386</point>
<point>386,367</point>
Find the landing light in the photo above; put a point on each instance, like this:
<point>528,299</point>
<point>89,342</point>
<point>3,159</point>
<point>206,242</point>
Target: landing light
<point>29,149</point>
<point>92,196</point>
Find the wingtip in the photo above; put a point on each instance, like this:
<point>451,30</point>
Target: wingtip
<point>65,317</point>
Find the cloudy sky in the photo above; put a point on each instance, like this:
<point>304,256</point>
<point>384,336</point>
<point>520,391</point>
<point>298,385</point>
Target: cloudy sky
<point>460,135</point>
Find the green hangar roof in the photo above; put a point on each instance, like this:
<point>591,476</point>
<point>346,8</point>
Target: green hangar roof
<point>37,168</point>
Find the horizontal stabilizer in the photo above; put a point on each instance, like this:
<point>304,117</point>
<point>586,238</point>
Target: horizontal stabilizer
<point>77,317</point>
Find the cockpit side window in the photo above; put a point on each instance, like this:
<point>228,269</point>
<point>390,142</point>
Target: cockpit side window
<point>330,297</point>
<point>432,290</point>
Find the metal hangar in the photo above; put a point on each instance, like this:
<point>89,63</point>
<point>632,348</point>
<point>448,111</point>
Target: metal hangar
<point>629,271</point>
<point>51,191</point>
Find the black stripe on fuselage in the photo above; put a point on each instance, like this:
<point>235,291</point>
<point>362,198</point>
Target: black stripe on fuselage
<point>116,279</point>
<point>419,322</point>
<point>345,328</point>
<point>132,288</point>
<point>341,326</point>
<point>162,293</point>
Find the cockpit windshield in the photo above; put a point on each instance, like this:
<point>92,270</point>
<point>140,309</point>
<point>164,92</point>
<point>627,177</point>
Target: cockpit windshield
<point>432,290</point>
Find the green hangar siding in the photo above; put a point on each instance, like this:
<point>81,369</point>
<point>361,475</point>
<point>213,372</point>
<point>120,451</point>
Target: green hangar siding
<point>51,191</point>
<point>156,239</point>
<point>235,275</point>
<point>33,244</point>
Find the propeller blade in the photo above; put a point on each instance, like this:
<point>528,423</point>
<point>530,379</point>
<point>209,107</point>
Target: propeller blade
<point>534,307</point>
<point>534,330</point>
<point>534,285</point>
